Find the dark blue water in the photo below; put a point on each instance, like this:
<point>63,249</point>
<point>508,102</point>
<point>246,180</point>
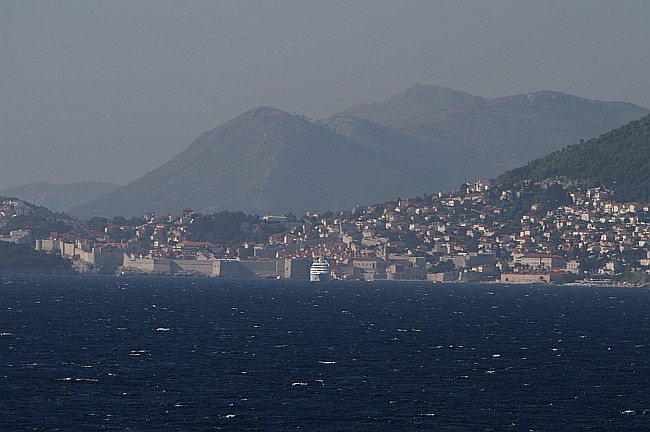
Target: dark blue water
<point>188,354</point>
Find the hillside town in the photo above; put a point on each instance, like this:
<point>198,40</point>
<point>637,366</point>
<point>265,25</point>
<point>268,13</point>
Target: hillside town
<point>548,232</point>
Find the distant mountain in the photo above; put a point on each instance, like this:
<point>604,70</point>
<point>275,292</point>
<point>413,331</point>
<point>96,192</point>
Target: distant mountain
<point>60,198</point>
<point>424,139</point>
<point>503,133</point>
<point>263,160</point>
<point>619,160</point>
<point>493,135</point>
<point>464,137</point>
<point>430,161</point>
<point>409,104</point>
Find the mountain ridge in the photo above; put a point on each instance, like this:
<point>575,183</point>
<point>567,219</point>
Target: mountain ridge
<point>60,197</point>
<point>264,155</point>
<point>267,160</point>
<point>418,99</point>
<point>506,132</point>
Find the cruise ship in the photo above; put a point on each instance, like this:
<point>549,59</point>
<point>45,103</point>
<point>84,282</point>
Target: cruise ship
<point>319,271</point>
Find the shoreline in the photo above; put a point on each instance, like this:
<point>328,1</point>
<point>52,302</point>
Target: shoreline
<point>589,284</point>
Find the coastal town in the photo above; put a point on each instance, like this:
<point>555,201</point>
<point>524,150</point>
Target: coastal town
<point>547,232</point>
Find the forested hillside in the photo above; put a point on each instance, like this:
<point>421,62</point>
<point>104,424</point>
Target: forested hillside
<point>18,259</point>
<point>619,160</point>
<point>40,221</point>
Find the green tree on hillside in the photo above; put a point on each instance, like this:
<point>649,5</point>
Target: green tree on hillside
<point>619,160</point>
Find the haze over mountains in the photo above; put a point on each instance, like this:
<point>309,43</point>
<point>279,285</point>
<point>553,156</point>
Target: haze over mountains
<point>263,160</point>
<point>495,135</point>
<point>409,104</point>
<point>60,198</point>
<point>424,139</point>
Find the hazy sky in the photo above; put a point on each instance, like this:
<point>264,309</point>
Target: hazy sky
<point>109,90</point>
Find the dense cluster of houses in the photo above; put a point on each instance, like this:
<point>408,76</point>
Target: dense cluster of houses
<point>12,207</point>
<point>464,235</point>
<point>9,209</point>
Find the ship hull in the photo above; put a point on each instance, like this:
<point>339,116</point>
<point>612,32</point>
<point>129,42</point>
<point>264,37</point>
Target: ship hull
<point>319,277</point>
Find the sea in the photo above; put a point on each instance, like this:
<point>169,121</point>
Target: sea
<point>89,353</point>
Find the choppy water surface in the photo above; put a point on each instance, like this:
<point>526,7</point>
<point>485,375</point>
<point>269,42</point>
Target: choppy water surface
<point>154,354</point>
